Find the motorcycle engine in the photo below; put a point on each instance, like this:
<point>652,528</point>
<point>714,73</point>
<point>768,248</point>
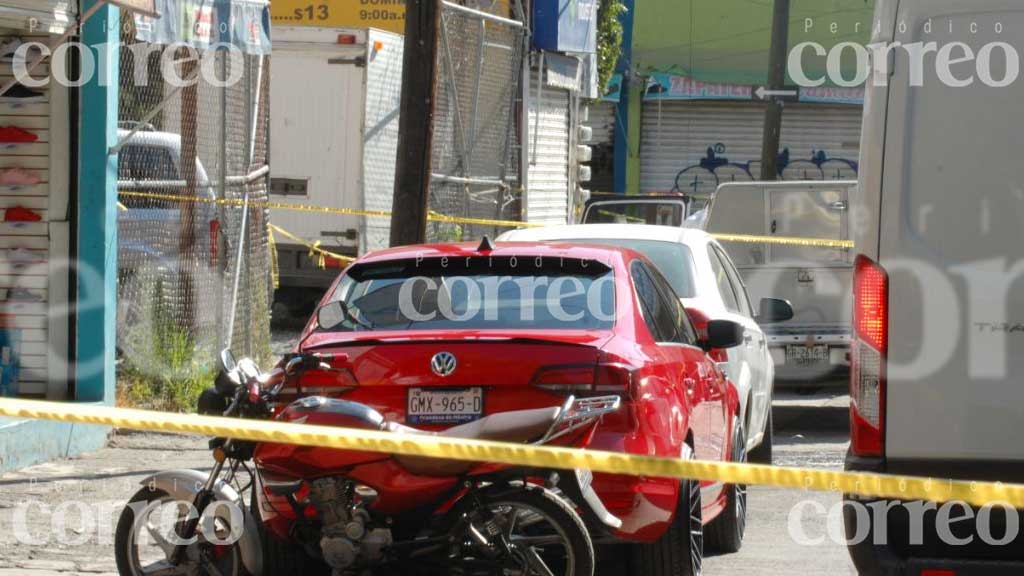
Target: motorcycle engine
<point>347,536</point>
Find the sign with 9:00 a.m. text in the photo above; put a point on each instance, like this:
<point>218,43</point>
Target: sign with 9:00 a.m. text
<point>383,14</point>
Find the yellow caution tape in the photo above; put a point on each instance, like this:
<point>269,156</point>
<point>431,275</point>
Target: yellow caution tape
<point>873,485</point>
<point>431,217</point>
<point>784,241</point>
<point>436,217</point>
<point>275,266</point>
<point>315,251</point>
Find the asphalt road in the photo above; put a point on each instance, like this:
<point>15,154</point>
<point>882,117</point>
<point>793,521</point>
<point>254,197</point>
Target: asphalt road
<point>788,530</point>
<point>811,432</point>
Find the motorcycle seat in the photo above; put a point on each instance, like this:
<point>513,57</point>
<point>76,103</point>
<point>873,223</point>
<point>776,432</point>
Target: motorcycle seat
<point>518,426</point>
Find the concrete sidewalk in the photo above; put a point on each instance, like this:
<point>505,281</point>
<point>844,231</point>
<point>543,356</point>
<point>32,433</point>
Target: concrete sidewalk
<point>59,518</point>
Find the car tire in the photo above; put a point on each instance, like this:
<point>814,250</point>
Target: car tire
<point>762,453</point>
<point>725,533</point>
<point>680,551</point>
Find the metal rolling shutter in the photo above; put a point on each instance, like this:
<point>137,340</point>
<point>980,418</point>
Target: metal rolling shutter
<point>835,130</point>
<point>38,16</point>
<point>547,196</point>
<point>677,135</point>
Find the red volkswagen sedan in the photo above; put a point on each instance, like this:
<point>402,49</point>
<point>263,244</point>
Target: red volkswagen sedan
<point>445,334</point>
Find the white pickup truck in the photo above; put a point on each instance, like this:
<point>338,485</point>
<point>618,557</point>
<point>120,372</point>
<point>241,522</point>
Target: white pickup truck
<point>810,351</point>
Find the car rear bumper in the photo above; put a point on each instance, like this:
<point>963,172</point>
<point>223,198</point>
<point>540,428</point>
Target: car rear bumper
<point>906,538</point>
<point>795,378</point>
<point>797,375</point>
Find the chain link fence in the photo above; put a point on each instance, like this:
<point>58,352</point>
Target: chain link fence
<point>475,160</point>
<point>193,146</point>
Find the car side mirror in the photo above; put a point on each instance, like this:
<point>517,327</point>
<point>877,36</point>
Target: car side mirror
<point>774,310</point>
<point>723,334</point>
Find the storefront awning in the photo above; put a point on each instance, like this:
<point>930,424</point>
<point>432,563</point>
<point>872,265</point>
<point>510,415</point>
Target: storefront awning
<point>244,24</point>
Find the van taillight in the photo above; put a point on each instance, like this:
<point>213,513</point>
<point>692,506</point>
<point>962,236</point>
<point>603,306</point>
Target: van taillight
<point>606,378</point>
<point>868,358</point>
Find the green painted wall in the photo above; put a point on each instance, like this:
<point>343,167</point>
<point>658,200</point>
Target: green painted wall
<point>728,40</point>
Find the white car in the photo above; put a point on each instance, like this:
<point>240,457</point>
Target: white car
<point>704,278</point>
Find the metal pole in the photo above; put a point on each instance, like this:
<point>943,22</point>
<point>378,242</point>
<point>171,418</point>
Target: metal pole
<point>189,130</point>
<point>468,168</point>
<point>540,101</point>
<point>776,81</point>
<point>525,159</point>
<point>416,125</point>
<point>482,15</point>
<point>222,193</point>
<point>245,209</point>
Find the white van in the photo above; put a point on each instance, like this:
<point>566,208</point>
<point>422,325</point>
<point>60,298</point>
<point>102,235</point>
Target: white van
<point>811,350</point>
<point>937,371</point>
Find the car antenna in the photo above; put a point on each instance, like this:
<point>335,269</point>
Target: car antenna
<point>486,245</point>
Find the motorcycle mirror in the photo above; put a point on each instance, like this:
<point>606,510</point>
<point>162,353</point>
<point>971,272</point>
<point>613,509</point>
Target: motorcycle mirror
<point>330,315</point>
<point>227,360</point>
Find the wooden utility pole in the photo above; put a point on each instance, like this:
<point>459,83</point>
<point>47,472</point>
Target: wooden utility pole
<point>776,83</point>
<point>189,152</point>
<point>416,125</point>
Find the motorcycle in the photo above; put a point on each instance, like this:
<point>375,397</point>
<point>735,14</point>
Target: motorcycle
<point>347,512</point>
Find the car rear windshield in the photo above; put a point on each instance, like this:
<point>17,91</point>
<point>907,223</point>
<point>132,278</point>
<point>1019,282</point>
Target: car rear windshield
<point>653,213</point>
<point>478,293</point>
<point>674,260</point>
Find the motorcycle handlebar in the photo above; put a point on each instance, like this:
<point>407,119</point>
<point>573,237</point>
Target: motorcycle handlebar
<point>234,382</point>
<point>305,362</point>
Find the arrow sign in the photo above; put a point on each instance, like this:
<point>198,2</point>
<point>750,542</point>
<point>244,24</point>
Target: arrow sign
<point>763,93</point>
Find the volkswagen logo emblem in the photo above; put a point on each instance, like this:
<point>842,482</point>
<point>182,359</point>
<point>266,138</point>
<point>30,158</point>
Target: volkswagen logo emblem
<point>443,363</point>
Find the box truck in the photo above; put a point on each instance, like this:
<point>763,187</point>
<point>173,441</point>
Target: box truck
<point>335,101</point>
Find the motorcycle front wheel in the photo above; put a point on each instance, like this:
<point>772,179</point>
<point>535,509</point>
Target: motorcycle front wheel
<point>145,536</point>
<point>543,533</point>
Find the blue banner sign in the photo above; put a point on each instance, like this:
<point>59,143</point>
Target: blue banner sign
<point>565,25</point>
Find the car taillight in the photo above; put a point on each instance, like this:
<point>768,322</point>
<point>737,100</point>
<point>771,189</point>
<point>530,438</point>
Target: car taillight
<point>569,379</point>
<point>614,378</point>
<point>605,378</point>
<point>868,358</point>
